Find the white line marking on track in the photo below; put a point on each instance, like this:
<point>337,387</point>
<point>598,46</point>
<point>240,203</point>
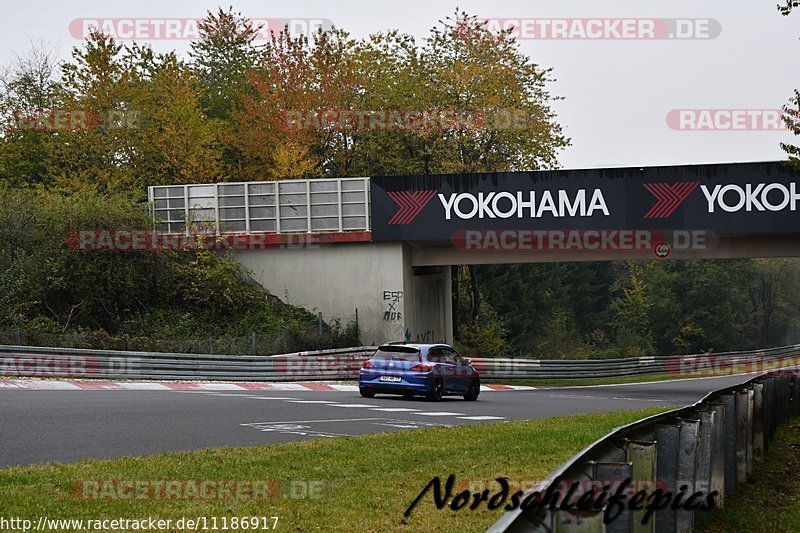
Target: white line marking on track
<point>295,429</point>
<point>287,386</point>
<point>351,405</point>
<point>143,386</point>
<point>641,399</point>
<point>271,397</point>
<point>393,409</point>
<point>37,385</point>
<point>308,401</point>
<point>346,388</point>
<point>249,396</point>
<point>310,421</point>
<point>439,413</point>
<point>228,395</point>
<point>482,417</point>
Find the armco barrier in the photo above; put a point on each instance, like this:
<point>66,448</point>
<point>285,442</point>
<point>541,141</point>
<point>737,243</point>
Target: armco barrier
<point>710,448</point>
<point>31,361</point>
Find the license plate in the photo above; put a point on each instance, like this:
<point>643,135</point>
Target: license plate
<point>393,379</point>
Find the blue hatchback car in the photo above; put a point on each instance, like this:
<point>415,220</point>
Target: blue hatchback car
<point>429,370</point>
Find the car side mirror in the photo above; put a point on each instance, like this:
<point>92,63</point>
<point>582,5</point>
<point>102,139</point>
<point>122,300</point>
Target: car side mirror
<point>467,361</point>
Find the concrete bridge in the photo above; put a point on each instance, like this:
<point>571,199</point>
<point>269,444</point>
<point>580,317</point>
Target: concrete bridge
<point>384,245</point>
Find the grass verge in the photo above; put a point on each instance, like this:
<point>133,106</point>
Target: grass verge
<point>367,481</point>
<point>772,501</point>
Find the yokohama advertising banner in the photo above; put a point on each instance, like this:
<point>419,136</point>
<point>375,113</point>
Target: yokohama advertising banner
<point>737,198</point>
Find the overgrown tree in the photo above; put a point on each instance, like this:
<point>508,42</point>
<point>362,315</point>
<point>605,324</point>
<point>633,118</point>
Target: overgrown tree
<point>30,95</point>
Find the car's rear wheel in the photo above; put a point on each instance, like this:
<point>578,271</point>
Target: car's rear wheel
<point>474,391</point>
<point>435,394</point>
<point>367,393</point>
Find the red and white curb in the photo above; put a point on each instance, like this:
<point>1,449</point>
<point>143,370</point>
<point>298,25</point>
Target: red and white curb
<point>33,384</point>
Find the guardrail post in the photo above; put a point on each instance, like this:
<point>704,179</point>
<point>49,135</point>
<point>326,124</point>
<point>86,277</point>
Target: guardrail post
<point>768,402</point>
<point>17,337</point>
<point>253,343</point>
<point>642,456</point>
<point>779,403</point>
<point>784,398</point>
<point>774,398</point>
<point>749,456</point>
<point>667,473</point>
<point>741,436</point>
<point>796,392</point>
<point>614,473</point>
<point>758,422</point>
<point>789,401</point>
<point>787,388</point>
<point>717,482</point>
<point>582,522</point>
<point>728,402</point>
<point>688,432</point>
<point>705,446</point>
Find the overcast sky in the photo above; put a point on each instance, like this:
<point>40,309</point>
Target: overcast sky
<point>618,92</point>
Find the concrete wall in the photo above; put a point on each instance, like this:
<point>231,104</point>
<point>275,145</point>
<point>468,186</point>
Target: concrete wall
<point>393,302</point>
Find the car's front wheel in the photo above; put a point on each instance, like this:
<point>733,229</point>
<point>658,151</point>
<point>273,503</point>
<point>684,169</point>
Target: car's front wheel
<point>436,391</point>
<point>474,391</point>
<point>367,393</point>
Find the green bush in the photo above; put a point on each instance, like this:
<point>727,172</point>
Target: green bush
<point>120,300</point>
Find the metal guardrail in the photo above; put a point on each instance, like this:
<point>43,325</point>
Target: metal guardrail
<point>325,332</point>
<point>343,363</point>
<point>711,446</point>
<point>720,363</point>
<point>31,361</point>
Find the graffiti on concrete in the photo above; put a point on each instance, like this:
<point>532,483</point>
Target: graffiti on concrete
<point>392,301</point>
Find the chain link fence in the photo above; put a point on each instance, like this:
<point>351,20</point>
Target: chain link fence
<point>324,332</point>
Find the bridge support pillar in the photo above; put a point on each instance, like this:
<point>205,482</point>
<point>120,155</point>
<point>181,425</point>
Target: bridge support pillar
<point>395,301</point>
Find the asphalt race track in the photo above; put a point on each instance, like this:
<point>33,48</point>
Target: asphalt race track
<point>55,425</point>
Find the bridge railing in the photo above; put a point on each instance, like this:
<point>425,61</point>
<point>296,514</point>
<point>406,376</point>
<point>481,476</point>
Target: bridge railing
<point>288,206</point>
<point>343,364</point>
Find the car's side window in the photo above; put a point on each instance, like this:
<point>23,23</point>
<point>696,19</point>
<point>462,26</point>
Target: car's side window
<point>448,356</point>
<point>451,355</point>
<point>436,355</point>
